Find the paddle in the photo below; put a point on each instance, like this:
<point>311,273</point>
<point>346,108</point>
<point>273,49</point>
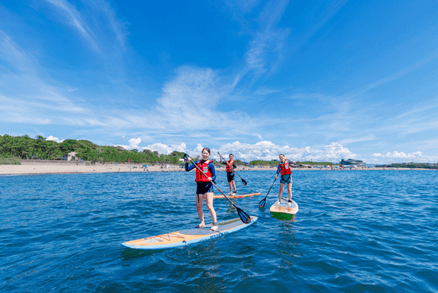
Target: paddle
<point>242,215</point>
<point>243,180</point>
<point>263,201</point>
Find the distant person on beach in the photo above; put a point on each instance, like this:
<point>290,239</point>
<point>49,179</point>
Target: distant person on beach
<point>286,178</point>
<point>231,165</point>
<point>204,187</point>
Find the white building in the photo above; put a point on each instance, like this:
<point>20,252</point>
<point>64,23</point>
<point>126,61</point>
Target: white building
<point>69,156</point>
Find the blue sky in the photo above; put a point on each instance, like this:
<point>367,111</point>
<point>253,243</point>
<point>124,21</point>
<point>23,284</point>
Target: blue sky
<point>319,80</point>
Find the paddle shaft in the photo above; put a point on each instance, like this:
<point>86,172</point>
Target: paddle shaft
<point>270,188</point>
<point>238,175</point>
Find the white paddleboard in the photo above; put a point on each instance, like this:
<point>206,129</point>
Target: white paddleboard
<point>284,211</point>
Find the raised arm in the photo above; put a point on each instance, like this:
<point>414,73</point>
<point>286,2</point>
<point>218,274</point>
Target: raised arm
<point>187,167</point>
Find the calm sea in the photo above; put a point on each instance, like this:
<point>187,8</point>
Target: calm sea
<point>356,231</point>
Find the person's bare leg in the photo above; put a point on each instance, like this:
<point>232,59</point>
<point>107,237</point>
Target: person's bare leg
<point>280,193</point>
<point>199,202</point>
<point>234,185</point>
<point>209,201</point>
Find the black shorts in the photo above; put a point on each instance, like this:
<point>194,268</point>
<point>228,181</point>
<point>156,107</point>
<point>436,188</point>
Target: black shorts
<point>204,187</point>
<point>230,176</point>
<point>286,179</point>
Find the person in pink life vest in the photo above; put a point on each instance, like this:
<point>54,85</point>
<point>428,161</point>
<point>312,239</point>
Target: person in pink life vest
<point>204,187</point>
<point>286,178</point>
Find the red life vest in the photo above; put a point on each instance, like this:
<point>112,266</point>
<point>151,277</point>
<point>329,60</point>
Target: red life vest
<point>285,169</point>
<point>229,166</point>
<point>204,167</point>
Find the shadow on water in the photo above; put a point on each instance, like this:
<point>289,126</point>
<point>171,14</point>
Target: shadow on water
<point>231,209</point>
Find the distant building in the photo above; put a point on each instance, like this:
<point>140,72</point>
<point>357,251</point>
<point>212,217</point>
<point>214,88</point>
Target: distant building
<point>69,156</point>
<point>352,162</point>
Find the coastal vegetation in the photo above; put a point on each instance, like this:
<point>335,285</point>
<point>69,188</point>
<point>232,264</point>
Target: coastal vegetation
<point>410,165</point>
<point>6,159</point>
<point>27,148</point>
<point>16,148</point>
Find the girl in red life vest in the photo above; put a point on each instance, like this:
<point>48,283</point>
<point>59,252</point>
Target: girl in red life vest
<point>286,178</point>
<point>204,188</point>
<point>231,165</point>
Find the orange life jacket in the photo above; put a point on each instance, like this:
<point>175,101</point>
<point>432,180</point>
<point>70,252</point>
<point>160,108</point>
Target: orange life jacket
<point>204,167</point>
<point>285,169</point>
<point>230,166</point>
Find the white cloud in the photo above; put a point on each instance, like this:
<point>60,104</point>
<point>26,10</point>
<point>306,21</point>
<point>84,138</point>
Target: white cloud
<point>51,137</point>
<point>12,53</point>
<point>193,90</point>
<point>166,149</point>
<point>359,139</point>
<point>117,26</point>
<point>24,96</point>
<point>99,27</point>
<point>263,150</point>
<point>189,102</point>
<point>268,41</point>
<point>134,142</point>
<point>399,157</point>
<point>266,150</point>
<point>74,18</point>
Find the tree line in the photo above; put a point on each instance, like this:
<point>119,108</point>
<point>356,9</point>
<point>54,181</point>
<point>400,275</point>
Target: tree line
<point>27,148</point>
<point>13,148</point>
<point>410,165</point>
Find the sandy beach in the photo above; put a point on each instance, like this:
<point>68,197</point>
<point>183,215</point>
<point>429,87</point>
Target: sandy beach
<point>57,167</point>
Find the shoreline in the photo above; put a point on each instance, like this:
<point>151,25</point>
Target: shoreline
<point>45,168</point>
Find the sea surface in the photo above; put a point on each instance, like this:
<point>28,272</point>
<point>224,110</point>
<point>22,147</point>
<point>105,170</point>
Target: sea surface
<point>356,231</point>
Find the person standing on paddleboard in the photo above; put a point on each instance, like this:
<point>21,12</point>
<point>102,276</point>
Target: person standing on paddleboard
<point>204,187</point>
<point>286,178</point>
<point>231,165</point>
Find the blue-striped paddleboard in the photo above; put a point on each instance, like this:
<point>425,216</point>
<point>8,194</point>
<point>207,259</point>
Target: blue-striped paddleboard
<point>188,236</point>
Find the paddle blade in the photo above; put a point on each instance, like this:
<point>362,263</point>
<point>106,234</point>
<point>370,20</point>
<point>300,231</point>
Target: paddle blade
<point>244,182</point>
<point>243,216</point>
<point>262,203</point>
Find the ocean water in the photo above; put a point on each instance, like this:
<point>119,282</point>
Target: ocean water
<point>356,231</point>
